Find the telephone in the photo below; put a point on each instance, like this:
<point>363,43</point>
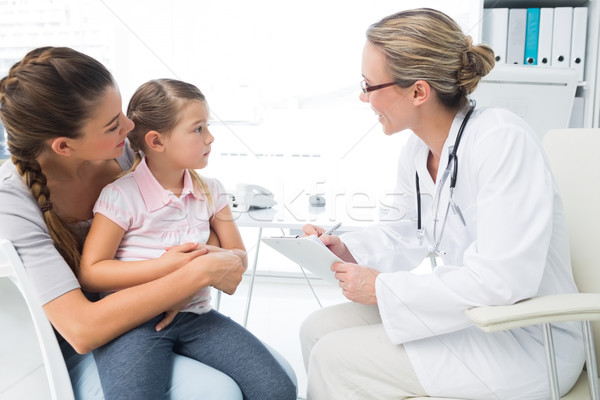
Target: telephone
<point>249,196</point>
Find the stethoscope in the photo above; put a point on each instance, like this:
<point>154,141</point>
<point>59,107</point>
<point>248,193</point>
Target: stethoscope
<point>452,172</point>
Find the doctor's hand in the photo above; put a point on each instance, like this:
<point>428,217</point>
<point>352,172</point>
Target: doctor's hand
<point>333,242</point>
<point>357,282</point>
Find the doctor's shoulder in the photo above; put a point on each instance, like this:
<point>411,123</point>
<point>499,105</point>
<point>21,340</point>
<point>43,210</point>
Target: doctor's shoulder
<point>498,123</point>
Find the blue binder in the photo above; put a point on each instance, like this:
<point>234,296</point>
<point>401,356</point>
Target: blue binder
<point>532,36</point>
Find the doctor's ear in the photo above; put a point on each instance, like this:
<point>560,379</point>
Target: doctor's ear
<point>154,141</point>
<point>421,92</point>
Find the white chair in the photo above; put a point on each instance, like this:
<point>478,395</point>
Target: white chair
<point>574,155</point>
<point>30,358</point>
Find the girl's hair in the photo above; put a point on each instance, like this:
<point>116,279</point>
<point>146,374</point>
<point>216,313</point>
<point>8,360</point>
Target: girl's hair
<point>52,92</point>
<point>426,44</point>
<point>158,105</point>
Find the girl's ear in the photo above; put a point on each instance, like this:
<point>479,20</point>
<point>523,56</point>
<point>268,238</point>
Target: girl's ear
<point>421,92</point>
<point>60,145</point>
<point>154,141</point>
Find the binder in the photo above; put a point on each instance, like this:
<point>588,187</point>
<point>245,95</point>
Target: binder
<point>515,44</point>
<point>544,57</point>
<point>495,29</point>
<point>578,40</point>
<point>532,36</point>
<point>561,37</point>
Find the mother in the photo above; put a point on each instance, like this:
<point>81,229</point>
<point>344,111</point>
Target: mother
<point>62,118</point>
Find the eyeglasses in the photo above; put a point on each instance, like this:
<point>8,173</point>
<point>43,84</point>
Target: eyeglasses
<point>367,89</point>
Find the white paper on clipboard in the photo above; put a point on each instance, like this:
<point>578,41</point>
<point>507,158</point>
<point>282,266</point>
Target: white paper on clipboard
<point>308,252</point>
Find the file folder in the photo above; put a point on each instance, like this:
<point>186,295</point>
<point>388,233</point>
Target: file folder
<point>561,37</point>
<point>544,57</point>
<point>578,40</point>
<point>517,27</point>
<point>495,30</point>
<point>532,36</point>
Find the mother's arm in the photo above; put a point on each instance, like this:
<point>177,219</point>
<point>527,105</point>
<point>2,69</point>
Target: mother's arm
<point>84,324</point>
<point>99,271</point>
<point>87,325</point>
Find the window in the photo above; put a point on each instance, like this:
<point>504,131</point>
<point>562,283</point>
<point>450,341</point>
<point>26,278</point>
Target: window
<point>281,77</point>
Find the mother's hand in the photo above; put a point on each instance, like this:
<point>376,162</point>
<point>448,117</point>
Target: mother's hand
<point>357,282</point>
<point>224,269</point>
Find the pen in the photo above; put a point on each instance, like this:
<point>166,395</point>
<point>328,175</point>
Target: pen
<point>333,228</point>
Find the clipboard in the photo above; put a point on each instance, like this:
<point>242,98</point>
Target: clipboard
<point>308,252</point>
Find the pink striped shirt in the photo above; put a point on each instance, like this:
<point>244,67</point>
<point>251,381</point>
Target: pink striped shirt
<point>154,218</point>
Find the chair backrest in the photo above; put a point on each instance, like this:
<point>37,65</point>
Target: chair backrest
<point>574,156</point>
<point>31,360</point>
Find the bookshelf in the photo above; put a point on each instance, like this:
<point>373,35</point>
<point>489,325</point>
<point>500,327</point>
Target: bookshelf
<point>588,88</point>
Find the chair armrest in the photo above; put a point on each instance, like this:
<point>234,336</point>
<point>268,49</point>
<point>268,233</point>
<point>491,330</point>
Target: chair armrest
<point>5,270</point>
<point>537,310</point>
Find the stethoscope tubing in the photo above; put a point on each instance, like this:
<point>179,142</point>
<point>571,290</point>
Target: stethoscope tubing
<point>452,158</point>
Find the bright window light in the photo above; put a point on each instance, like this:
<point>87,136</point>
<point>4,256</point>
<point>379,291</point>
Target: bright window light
<point>281,77</point>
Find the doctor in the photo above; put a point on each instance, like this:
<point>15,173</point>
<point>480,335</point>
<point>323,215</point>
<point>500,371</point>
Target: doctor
<point>475,190</point>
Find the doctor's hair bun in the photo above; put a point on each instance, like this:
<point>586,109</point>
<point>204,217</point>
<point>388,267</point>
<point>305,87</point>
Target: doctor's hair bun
<point>478,61</point>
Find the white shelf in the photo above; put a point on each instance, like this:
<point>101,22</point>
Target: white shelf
<point>589,88</point>
<point>533,3</point>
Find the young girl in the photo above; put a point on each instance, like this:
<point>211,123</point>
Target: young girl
<point>160,204</point>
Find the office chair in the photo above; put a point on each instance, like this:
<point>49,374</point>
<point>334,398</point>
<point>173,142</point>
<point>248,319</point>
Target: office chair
<point>31,360</point>
<point>573,155</point>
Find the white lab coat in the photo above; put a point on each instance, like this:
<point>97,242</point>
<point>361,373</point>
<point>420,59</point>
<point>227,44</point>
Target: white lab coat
<point>514,246</point>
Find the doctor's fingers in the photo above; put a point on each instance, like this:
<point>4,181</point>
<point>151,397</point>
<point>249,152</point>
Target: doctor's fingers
<point>331,241</point>
<point>310,229</point>
<point>340,267</point>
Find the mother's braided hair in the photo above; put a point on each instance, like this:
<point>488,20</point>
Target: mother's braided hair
<point>50,93</point>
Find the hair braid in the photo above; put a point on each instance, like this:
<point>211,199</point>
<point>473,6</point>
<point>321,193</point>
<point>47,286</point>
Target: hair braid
<point>50,93</point>
<point>65,240</point>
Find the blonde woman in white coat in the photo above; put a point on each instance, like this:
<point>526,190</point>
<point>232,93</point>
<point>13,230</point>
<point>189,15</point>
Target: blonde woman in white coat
<point>500,238</point>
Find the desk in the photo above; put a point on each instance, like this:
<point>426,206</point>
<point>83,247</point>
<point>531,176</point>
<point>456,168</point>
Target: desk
<point>293,220</point>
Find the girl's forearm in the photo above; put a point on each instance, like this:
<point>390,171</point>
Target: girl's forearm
<point>111,275</point>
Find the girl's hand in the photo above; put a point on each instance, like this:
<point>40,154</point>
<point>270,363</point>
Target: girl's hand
<point>183,254</point>
<point>357,282</point>
<point>170,314</point>
<point>333,242</point>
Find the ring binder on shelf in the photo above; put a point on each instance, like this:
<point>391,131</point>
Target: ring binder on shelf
<point>544,57</point>
<point>532,36</point>
<point>578,40</point>
<point>517,27</point>
<point>561,38</point>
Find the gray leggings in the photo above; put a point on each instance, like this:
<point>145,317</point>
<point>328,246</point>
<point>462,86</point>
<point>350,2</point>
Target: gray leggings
<point>137,365</point>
